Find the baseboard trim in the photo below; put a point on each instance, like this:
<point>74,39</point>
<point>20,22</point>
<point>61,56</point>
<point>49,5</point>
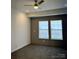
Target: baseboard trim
<point>20,47</point>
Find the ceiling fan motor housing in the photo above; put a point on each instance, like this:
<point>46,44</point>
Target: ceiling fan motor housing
<point>35,4</point>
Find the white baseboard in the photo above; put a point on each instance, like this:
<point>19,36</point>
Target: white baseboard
<point>19,47</point>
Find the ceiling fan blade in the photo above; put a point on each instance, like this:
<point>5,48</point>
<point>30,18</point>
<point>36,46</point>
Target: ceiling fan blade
<point>41,2</point>
<point>28,5</point>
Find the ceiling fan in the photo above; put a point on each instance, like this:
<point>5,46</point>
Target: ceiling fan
<point>36,4</point>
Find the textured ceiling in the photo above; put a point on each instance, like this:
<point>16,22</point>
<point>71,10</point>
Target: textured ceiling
<point>47,5</point>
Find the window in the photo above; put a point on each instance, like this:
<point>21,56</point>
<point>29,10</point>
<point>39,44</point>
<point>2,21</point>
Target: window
<point>52,26</point>
<point>43,30</point>
<point>56,30</point>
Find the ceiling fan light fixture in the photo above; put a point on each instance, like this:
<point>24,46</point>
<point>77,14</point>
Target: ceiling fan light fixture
<point>36,6</point>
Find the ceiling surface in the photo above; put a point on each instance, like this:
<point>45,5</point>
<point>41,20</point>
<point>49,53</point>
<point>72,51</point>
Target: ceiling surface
<point>47,5</point>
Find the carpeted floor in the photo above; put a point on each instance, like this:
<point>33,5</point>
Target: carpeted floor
<point>39,52</point>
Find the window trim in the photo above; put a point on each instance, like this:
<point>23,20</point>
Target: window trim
<point>49,30</point>
<point>61,29</point>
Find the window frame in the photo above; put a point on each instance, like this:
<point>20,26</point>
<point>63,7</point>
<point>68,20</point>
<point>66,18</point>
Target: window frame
<point>48,31</point>
<point>61,29</point>
<point>49,28</point>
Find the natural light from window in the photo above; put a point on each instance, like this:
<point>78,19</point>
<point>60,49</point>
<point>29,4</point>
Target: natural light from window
<point>43,30</point>
<point>56,30</point>
<point>52,32</point>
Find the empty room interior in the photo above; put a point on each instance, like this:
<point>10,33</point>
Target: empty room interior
<point>38,29</point>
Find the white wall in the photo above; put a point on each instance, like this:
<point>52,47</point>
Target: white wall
<point>20,30</point>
